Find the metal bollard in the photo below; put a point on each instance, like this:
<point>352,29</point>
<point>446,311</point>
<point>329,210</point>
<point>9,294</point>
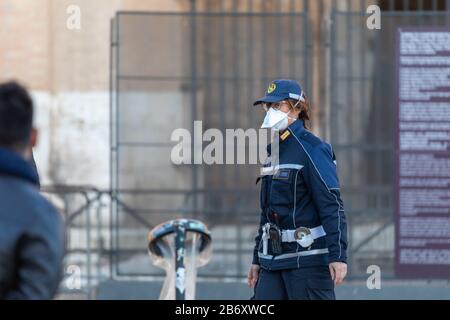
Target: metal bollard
<point>180,247</point>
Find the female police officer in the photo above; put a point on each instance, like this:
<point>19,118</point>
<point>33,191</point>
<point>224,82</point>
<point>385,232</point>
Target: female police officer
<point>300,250</point>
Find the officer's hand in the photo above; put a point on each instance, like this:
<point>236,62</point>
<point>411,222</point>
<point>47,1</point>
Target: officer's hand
<point>253,274</point>
<point>338,272</point>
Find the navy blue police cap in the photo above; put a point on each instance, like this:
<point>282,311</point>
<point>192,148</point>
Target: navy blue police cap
<point>282,89</point>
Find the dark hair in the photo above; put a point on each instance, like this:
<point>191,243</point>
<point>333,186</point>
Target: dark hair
<point>304,110</point>
<point>16,115</point>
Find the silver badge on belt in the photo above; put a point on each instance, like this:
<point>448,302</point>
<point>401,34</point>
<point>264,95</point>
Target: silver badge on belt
<point>304,237</point>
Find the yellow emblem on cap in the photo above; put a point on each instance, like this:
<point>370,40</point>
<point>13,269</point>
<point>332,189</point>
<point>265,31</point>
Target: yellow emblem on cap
<point>271,88</point>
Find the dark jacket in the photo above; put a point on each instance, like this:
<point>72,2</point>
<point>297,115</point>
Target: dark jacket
<point>31,234</point>
<point>303,191</point>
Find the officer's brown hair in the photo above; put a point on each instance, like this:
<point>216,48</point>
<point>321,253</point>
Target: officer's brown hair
<point>304,110</point>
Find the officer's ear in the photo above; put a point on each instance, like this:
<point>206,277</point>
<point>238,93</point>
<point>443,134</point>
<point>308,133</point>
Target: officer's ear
<point>33,138</point>
<point>27,152</point>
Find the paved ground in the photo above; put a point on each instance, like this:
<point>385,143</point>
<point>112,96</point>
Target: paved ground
<point>392,290</point>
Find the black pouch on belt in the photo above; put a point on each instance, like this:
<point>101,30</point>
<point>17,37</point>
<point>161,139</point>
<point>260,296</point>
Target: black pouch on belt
<point>275,239</point>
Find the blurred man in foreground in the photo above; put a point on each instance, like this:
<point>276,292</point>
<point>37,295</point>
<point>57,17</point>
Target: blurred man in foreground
<point>31,230</point>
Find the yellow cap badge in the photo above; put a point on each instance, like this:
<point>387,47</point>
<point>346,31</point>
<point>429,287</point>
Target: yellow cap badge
<point>271,88</point>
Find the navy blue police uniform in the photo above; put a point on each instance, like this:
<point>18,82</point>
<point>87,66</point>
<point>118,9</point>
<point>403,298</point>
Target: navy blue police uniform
<point>300,195</point>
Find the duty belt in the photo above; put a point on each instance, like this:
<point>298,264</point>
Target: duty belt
<point>303,236</point>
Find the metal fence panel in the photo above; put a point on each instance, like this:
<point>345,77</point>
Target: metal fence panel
<point>209,64</point>
<point>169,70</point>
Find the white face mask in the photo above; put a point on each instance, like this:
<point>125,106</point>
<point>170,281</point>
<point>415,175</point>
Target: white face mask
<point>276,119</point>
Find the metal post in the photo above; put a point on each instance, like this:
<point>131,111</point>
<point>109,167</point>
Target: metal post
<point>435,5</point>
<point>307,86</point>
<point>264,49</point>
<point>180,269</point>
<point>115,218</point>
<point>193,60</point>
<point>349,84</point>
<point>279,41</point>
<point>112,145</point>
<point>222,84</point>
<point>379,123</point>
<point>292,42</point>
<point>420,5</point>
<point>99,239</point>
<point>250,59</point>
<point>88,247</point>
<point>332,87</point>
<point>236,98</point>
<point>236,82</point>
<point>447,8</point>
